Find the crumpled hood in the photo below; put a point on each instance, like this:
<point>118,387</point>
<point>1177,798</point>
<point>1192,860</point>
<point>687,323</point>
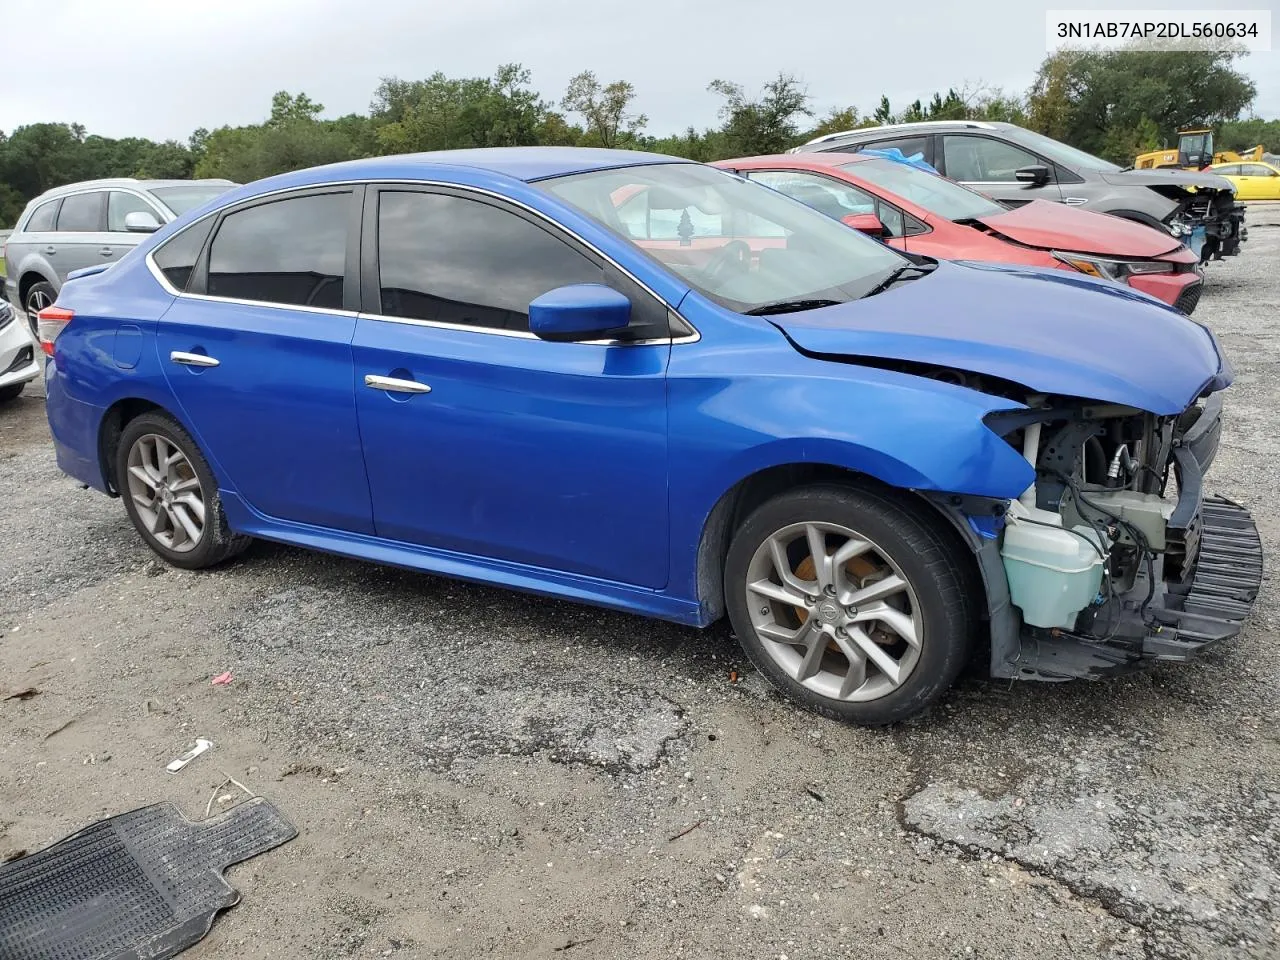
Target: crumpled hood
<point>1156,178</point>
<point>1049,330</point>
<point>1057,226</point>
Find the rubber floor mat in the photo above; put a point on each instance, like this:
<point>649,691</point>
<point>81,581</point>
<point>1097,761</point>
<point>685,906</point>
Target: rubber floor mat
<point>143,885</point>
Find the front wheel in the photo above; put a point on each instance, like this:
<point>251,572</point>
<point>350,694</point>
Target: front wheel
<point>171,496</point>
<point>40,295</point>
<point>849,603</point>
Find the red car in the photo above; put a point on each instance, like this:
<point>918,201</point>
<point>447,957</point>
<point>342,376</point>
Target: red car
<point>925,213</point>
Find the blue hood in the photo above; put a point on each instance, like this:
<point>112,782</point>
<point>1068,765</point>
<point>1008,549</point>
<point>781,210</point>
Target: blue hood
<point>1049,330</point>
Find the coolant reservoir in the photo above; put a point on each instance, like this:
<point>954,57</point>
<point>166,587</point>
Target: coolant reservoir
<point>1053,572</point>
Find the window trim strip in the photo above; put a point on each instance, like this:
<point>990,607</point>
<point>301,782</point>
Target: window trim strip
<point>158,274</point>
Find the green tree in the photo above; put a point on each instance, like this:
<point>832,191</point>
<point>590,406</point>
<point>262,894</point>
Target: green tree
<point>837,120</point>
<point>1097,101</point>
<point>604,108</point>
<point>767,124</point>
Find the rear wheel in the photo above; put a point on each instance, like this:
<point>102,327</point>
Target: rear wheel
<point>40,295</point>
<point>171,496</point>
<point>848,603</point>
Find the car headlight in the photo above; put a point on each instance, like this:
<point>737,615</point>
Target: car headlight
<point>1117,270</point>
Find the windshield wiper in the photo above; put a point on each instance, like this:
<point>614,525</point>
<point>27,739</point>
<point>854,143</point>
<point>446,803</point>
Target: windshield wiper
<point>791,306</point>
<point>900,274</point>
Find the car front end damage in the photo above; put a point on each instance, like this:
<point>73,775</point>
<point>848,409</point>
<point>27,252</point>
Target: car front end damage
<point>1115,556</point>
<point>1209,221</point>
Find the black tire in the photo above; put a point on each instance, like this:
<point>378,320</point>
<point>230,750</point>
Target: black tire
<point>927,561</point>
<point>11,392</point>
<point>39,293</point>
<point>217,542</point>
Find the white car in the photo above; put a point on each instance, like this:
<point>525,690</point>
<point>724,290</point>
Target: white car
<point>19,361</point>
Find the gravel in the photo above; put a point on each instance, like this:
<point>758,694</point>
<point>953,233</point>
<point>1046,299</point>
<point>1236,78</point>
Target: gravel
<point>478,772</point>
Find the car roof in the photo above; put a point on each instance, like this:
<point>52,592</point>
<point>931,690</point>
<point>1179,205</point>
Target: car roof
<point>826,159</point>
<point>128,182</point>
<point>518,163</point>
<point>922,126</point>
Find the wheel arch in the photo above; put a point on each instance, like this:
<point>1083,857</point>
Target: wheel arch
<point>736,503</point>
<point>1137,216</point>
<point>112,426</point>
<point>28,278</point>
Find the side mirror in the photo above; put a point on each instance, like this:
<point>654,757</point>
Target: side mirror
<point>868,223</point>
<point>1036,174</point>
<point>582,311</point>
<point>141,222</point>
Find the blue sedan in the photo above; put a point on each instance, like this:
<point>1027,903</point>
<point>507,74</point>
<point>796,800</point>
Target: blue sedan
<point>643,383</point>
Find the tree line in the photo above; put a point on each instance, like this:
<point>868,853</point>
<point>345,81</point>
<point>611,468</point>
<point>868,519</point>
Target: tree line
<point>1114,104</point>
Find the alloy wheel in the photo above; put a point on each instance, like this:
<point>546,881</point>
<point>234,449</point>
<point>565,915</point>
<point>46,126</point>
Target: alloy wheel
<point>37,300</point>
<point>166,492</point>
<point>834,611</point>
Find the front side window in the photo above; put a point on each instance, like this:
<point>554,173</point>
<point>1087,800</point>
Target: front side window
<point>81,213</point>
<point>120,205</point>
<point>289,252</point>
<point>836,198</point>
<point>928,190</point>
<point>767,248</point>
<point>176,258</point>
<point>983,160</point>
<point>1258,170</point>
<point>42,218</point>
<point>450,259</point>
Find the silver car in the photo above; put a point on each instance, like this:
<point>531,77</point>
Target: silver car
<point>1015,166</point>
<point>84,224</point>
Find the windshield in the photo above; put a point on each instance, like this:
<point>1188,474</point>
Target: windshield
<point>929,190</point>
<point>739,243</point>
<point>1060,152</point>
<point>184,198</point>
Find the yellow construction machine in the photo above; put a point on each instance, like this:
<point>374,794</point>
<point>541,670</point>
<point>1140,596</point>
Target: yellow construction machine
<point>1195,152</point>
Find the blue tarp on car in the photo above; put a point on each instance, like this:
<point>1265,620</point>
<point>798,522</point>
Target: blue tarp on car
<point>893,153</point>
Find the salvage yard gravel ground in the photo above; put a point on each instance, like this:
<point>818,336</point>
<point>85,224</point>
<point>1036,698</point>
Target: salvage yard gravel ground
<point>480,773</point>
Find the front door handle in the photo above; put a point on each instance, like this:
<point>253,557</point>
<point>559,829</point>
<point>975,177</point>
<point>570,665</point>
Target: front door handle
<point>50,251</point>
<point>105,251</point>
<point>394,385</point>
<point>193,359</point>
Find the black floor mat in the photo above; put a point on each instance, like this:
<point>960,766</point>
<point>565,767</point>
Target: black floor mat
<point>144,885</point>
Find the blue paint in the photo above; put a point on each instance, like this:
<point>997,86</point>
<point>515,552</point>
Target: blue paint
<point>588,470</point>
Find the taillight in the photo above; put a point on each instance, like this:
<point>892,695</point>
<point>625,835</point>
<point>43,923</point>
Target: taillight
<point>51,322</point>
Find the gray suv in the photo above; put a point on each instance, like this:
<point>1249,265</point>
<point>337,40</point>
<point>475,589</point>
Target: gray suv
<point>84,224</point>
<point>1015,166</point>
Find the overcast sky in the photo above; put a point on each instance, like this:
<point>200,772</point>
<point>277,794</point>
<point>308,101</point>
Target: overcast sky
<point>160,69</point>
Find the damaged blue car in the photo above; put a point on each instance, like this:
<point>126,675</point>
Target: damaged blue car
<point>638,382</point>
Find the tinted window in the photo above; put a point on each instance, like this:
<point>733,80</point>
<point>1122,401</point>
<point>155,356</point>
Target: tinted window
<point>120,205</point>
<point>177,257</point>
<point>42,217</point>
<point>909,146</point>
<point>81,213</point>
<point>454,260</point>
<point>184,198</point>
<point>290,251</point>
<point>982,160</point>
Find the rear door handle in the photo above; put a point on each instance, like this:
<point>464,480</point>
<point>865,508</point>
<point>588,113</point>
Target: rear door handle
<point>50,251</point>
<point>394,385</point>
<point>193,359</point>
<point>106,251</point>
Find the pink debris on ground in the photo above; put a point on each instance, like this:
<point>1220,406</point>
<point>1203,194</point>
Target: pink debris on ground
<point>222,679</point>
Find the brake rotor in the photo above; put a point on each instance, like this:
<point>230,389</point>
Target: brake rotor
<point>857,567</point>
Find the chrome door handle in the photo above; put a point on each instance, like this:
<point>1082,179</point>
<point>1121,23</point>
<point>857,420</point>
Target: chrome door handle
<point>394,385</point>
<point>193,359</point>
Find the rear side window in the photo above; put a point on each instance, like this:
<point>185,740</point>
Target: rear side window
<point>177,257</point>
<point>289,252</point>
<point>120,205</point>
<point>454,260</point>
<point>81,213</point>
<point>42,218</point>
<point>909,146</point>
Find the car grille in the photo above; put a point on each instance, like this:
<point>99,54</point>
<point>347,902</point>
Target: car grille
<point>1189,297</point>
